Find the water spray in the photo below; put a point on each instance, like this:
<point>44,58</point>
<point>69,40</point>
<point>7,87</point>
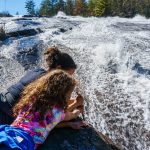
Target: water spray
<point>78,90</point>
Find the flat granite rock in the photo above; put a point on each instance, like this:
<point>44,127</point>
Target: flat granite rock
<point>70,139</point>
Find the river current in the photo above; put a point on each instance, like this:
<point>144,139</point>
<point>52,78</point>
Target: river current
<point>113,58</point>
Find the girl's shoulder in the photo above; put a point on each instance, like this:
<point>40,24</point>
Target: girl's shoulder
<point>56,109</point>
<point>56,113</point>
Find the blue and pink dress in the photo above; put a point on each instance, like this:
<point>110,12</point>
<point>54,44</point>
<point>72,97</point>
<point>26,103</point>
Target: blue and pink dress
<point>27,133</point>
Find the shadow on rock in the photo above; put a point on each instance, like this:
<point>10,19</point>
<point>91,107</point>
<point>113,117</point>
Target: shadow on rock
<point>84,139</point>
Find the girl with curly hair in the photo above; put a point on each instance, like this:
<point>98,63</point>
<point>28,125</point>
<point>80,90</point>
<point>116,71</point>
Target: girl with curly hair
<point>43,104</point>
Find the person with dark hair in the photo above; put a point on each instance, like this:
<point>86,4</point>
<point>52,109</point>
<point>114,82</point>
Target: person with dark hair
<point>55,59</point>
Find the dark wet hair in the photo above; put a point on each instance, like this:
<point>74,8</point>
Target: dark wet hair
<point>56,58</point>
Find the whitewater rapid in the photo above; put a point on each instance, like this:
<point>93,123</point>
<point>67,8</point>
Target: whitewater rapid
<point>113,58</point>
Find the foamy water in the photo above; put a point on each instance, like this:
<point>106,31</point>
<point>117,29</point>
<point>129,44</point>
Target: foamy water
<point>106,50</point>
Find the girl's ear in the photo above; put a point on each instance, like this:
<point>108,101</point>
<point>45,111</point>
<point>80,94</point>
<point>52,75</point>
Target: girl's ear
<point>58,67</point>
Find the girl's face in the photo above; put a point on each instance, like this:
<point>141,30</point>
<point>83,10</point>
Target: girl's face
<point>69,95</point>
<point>70,71</point>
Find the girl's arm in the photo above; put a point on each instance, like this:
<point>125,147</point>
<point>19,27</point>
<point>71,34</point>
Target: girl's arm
<point>62,124</point>
<point>72,104</point>
<point>75,103</point>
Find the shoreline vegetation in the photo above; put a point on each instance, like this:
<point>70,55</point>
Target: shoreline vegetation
<point>86,8</point>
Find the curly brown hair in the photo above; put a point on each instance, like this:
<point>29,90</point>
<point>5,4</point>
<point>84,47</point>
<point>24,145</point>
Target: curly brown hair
<point>55,58</point>
<point>54,88</point>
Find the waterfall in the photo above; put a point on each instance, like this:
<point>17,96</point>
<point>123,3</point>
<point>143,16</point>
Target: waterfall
<point>112,55</point>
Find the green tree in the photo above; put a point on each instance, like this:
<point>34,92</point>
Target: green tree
<point>80,7</point>
<point>122,8</point>
<point>30,5</point>
<point>128,8</point>
<point>91,6</point>
<point>46,8</point>
<point>97,7</point>
<point>69,7</point>
<point>60,5</point>
<point>146,9</point>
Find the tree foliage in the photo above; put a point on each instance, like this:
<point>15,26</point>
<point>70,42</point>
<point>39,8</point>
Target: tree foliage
<point>69,7</point>
<point>46,8</point>
<point>30,6</point>
<point>60,5</point>
<point>98,7</point>
<point>122,8</point>
<point>80,7</point>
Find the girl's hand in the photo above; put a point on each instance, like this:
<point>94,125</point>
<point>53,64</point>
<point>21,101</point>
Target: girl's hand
<point>71,115</point>
<point>77,124</point>
<point>76,113</point>
<point>79,100</point>
<point>75,104</point>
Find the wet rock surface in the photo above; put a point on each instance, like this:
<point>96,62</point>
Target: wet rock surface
<point>29,57</point>
<point>8,70</point>
<point>27,32</point>
<point>106,50</point>
<point>132,26</point>
<point>70,139</point>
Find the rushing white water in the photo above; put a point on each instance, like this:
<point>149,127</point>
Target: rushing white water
<point>108,52</point>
